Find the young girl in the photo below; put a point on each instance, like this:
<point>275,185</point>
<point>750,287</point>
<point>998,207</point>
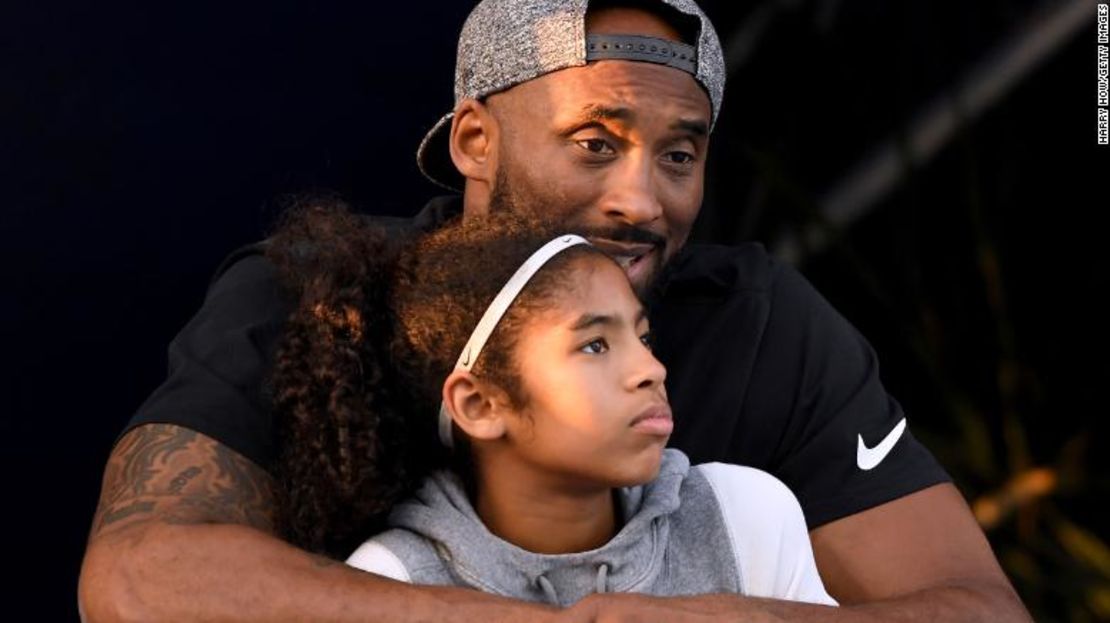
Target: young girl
<point>492,384</point>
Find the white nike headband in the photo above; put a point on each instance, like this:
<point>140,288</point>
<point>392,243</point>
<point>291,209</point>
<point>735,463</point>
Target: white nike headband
<point>496,310</point>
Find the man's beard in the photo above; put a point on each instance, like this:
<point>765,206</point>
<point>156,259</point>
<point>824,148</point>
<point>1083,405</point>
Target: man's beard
<point>506,196</point>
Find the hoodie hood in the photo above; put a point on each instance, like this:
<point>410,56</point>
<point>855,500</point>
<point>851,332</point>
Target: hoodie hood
<point>629,562</point>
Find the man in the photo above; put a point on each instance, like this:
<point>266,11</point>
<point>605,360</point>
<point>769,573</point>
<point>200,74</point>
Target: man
<point>607,114</point>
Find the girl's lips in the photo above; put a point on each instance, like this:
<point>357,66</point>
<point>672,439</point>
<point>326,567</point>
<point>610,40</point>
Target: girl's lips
<point>656,420</point>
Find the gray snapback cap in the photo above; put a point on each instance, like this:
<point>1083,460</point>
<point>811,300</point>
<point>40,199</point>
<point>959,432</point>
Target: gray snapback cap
<point>506,42</point>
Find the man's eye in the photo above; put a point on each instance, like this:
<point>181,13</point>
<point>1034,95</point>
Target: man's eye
<point>680,157</point>
<point>596,146</point>
<point>596,347</point>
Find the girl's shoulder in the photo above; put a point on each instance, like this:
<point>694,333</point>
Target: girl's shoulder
<point>373,556</point>
<point>758,511</point>
<point>749,494</point>
<point>766,529</point>
<point>401,555</point>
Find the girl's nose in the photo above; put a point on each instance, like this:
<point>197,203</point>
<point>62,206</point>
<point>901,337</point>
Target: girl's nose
<point>650,371</point>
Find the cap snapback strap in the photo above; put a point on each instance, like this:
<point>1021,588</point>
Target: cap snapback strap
<point>644,49</point>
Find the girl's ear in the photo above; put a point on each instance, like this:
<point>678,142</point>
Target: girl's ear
<point>477,407</point>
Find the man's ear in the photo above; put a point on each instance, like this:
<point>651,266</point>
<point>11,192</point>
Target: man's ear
<point>473,141</point>
<point>477,407</point>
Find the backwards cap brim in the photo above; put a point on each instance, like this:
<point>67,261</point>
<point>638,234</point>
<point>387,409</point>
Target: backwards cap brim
<point>434,156</point>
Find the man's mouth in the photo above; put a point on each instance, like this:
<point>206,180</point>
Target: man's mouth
<point>627,255</point>
<point>628,261</point>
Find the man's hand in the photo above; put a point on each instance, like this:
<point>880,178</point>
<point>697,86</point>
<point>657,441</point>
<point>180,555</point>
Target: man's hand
<point>933,605</point>
<point>635,608</point>
<point>183,532</point>
<point>918,558</point>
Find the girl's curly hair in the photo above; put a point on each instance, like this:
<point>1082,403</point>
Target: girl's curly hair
<point>378,321</point>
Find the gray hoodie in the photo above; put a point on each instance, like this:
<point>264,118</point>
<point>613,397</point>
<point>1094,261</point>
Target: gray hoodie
<point>708,528</point>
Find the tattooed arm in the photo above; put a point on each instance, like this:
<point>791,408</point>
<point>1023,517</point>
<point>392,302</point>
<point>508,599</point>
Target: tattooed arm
<point>183,532</point>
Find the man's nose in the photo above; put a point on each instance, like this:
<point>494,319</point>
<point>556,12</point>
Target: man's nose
<point>631,196</point>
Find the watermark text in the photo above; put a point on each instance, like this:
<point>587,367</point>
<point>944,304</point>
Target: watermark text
<point>1103,72</point>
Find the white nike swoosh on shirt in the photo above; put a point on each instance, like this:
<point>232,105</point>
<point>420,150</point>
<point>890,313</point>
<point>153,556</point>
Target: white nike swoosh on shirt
<point>868,458</point>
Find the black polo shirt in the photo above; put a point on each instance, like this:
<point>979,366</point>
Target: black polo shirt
<point>761,371</point>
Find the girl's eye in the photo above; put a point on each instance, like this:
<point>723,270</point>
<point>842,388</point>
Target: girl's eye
<point>596,347</point>
<point>647,339</point>
<point>596,146</point>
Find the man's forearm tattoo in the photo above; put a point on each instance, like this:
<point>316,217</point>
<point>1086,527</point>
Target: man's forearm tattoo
<point>173,474</point>
<point>182,479</point>
<point>112,516</point>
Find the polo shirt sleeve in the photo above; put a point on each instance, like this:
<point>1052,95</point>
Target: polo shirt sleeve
<point>220,361</point>
<point>847,445</point>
